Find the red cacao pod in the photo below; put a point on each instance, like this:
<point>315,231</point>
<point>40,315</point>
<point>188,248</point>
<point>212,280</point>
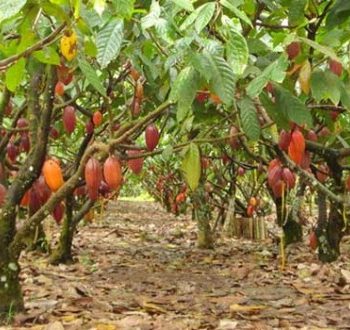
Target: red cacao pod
<point>250,210</point>
<point>139,90</point>
<point>313,241</point>
<point>135,164</point>
<point>59,89</point>
<point>64,74</point>
<point>97,118</point>
<point>152,137</point>
<point>8,109</point>
<point>3,192</point>
<point>274,175</point>
<point>202,96</point>
<point>69,119</point>
<point>289,178</point>
<point>312,136</point>
<point>234,140</point>
<point>34,199</point>
<point>12,151</point>
<point>112,172</point>
<point>25,142</point>
<point>274,163</point>
<point>103,189</point>
<point>240,171</point>
<point>324,132</point>
<point>54,133</point>
<point>22,123</point>
<point>322,173</point>
<point>43,189</point>
<point>293,50</point>
<point>336,67</point>
<point>58,213</point>
<point>279,188</point>
<point>135,107</point>
<point>296,147</point>
<point>93,177</point>
<point>284,140</point>
<point>89,127</point>
<point>306,160</point>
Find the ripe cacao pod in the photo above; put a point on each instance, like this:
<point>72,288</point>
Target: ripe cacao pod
<point>296,147</point>
<point>284,140</point>
<point>289,178</point>
<point>25,199</point>
<point>322,173</point>
<point>112,172</point>
<point>89,127</point>
<point>12,151</point>
<point>336,67</point>
<point>306,161</point>
<point>69,45</point>
<point>59,89</point>
<point>278,188</point>
<point>135,164</point>
<point>3,192</point>
<point>240,171</point>
<point>25,142</point>
<point>58,212</point>
<point>53,174</point>
<point>139,90</point>
<point>274,162</point>
<point>293,50</point>
<point>312,136</point>
<point>104,189</point>
<point>64,74</point>
<point>135,107</point>
<point>8,109</point>
<point>42,189</point>
<point>22,123</point>
<point>152,137</point>
<point>334,115</point>
<point>54,133</point>
<point>202,96</point>
<point>34,199</point>
<point>215,99</point>
<point>180,198</point>
<point>313,241</point>
<point>324,132</point>
<point>253,201</point>
<point>69,119</point>
<point>274,175</point>
<point>134,74</point>
<point>97,118</point>
<point>250,210</point>
<point>93,177</point>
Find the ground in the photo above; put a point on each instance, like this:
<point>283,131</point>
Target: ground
<point>139,269</point>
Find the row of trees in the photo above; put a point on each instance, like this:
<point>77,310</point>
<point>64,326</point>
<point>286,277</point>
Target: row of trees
<point>222,96</point>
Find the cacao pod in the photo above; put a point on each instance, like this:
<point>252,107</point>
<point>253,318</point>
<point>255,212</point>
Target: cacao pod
<point>274,175</point>
<point>135,164</point>
<point>202,96</point>
<point>22,123</point>
<point>215,99</point>
<point>69,119</point>
<point>306,161</point>
<point>134,74</point>
<point>313,241</point>
<point>12,151</point>
<point>234,140</point>
<point>97,118</point>
<point>336,67</point>
<point>253,201</point>
<point>274,163</point>
<point>93,177</point>
<point>296,147</point>
<point>135,107</point>
<point>293,50</point>
<point>322,173</point>
<point>42,189</point>
<point>284,140</point>
<point>312,136</point>
<point>139,90</point>
<point>89,127</point>
<point>152,137</point>
<point>64,74</point>
<point>8,109</point>
<point>240,171</point>
<point>250,210</point>
<point>34,199</point>
<point>25,142</point>
<point>54,133</point>
<point>69,45</point>
<point>112,172</point>
<point>58,212</point>
<point>288,178</point>
<point>53,174</point>
<point>278,188</point>
<point>59,89</point>
<point>25,199</point>
<point>103,189</point>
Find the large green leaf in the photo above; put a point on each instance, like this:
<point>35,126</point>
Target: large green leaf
<point>152,18</point>
<point>91,76</point>
<point>223,81</point>
<point>325,85</point>
<point>15,74</point>
<point>296,12</point>
<point>124,8</point>
<point>205,14</point>
<point>249,118</point>
<point>185,4</point>
<point>191,166</point>
<point>10,8</point>
<point>322,49</point>
<point>276,71</point>
<point>47,55</point>
<point>184,91</point>
<point>237,52</point>
<point>339,13</point>
<point>202,64</point>
<point>240,14</point>
<point>295,110</point>
<point>108,42</point>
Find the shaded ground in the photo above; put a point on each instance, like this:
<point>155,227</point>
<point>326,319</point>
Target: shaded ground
<point>139,269</point>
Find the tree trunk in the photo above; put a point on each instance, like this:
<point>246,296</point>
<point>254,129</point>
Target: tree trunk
<point>202,215</point>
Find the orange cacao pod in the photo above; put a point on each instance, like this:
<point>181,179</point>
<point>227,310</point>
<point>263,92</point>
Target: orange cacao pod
<point>93,177</point>
<point>53,174</point>
<point>112,172</point>
<point>296,147</point>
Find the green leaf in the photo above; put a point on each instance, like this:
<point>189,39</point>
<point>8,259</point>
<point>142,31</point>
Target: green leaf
<point>185,4</point>
<point>237,52</point>
<point>295,109</point>
<point>124,8</point>
<point>191,166</point>
<point>322,49</point>
<point>205,14</point>
<point>10,8</point>
<point>240,14</point>
<point>15,74</point>
<point>189,20</point>
<point>296,12</point>
<point>152,18</point>
<point>91,76</point>
<point>278,116</point>
<point>325,85</point>
<point>202,64</point>
<point>249,118</point>
<point>276,71</point>
<point>223,81</point>
<point>345,97</point>
<point>108,42</point>
<point>339,13</point>
<point>48,55</point>
<point>184,91</point>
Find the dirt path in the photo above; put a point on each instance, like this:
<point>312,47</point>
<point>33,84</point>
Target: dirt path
<point>139,269</point>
